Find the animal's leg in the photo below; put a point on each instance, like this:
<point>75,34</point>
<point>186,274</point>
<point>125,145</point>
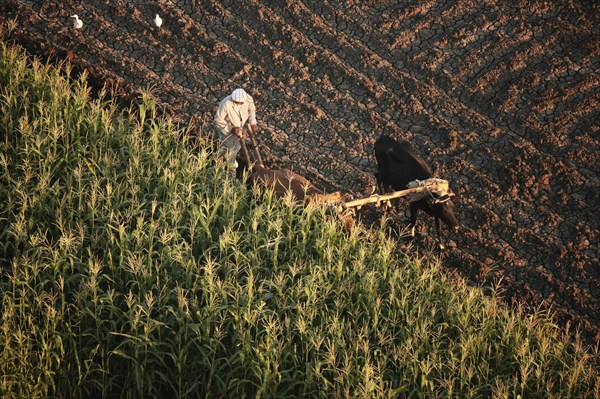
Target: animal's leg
<point>438,228</point>
<point>413,219</point>
<point>379,181</point>
<point>386,205</point>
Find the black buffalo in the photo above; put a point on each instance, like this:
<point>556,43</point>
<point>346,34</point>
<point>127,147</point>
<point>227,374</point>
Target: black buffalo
<point>398,164</point>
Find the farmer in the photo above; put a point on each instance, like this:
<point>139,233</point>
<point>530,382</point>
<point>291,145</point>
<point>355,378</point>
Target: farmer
<point>234,113</point>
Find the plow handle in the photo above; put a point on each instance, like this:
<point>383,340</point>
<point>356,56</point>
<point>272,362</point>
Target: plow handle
<point>255,146</point>
<point>245,150</point>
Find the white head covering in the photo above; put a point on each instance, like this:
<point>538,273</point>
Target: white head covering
<point>239,95</point>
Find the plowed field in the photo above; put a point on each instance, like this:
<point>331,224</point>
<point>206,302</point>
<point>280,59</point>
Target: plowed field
<point>501,98</point>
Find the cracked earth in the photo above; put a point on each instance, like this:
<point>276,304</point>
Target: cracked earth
<point>501,98</point>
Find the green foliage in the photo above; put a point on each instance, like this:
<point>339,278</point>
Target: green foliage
<point>135,265</point>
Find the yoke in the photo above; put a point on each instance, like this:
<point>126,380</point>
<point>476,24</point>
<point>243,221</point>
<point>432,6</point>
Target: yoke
<point>436,190</point>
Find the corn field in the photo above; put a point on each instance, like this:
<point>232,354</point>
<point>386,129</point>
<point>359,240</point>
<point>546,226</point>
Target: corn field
<point>135,265</point>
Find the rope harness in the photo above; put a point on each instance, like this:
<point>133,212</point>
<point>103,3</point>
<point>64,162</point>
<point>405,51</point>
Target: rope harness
<point>436,191</point>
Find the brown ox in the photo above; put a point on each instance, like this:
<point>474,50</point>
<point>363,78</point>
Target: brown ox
<point>285,181</point>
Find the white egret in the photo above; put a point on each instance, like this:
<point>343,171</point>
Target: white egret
<point>77,24</point>
<point>157,21</point>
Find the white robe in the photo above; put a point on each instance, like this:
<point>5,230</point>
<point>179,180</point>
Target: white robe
<point>230,114</point>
